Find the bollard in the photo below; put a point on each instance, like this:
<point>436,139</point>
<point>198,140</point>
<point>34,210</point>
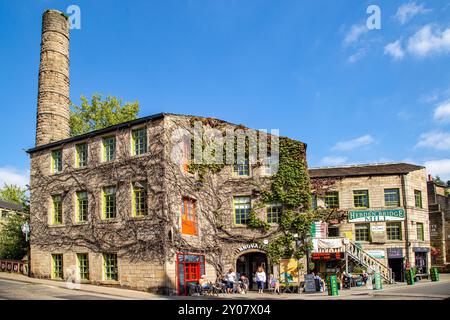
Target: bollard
<point>434,274</point>
<point>410,276</point>
<point>378,285</point>
<point>332,286</point>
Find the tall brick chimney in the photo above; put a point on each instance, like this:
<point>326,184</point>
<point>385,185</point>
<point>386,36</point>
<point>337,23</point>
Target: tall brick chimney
<point>53,93</point>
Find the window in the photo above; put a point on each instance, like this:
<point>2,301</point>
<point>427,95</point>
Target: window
<point>186,153</point>
<point>188,219</point>
<point>82,206</point>
<point>139,200</point>
<point>274,213</point>
<point>242,169</point>
<point>57,209</point>
<point>361,198</point>
<point>56,161</point>
<point>242,207</point>
<point>332,200</point>
<point>420,231</point>
<point>362,232</point>
<point>272,165</point>
<point>57,266</point>
<point>418,198</point>
<point>82,155</point>
<point>394,230</point>
<point>83,265</point>
<point>333,232</point>
<point>109,149</point>
<point>314,202</point>
<point>392,197</point>
<point>110,266</point>
<point>109,202</point>
<point>139,141</point>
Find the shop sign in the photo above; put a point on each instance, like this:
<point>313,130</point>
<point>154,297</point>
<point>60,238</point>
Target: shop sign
<point>250,246</point>
<point>377,254</point>
<point>395,253</point>
<point>377,229</point>
<point>421,249</point>
<point>376,215</point>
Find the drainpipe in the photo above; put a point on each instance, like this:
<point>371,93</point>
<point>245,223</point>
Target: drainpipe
<point>405,205</point>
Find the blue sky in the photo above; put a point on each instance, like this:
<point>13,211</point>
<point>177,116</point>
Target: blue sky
<point>311,69</point>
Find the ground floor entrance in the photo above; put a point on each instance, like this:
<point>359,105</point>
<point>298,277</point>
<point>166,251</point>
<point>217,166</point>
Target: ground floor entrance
<point>247,264</point>
<point>421,262</point>
<point>190,268</point>
<point>396,265</point>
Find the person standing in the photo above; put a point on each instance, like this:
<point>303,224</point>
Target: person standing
<point>231,279</point>
<point>260,279</point>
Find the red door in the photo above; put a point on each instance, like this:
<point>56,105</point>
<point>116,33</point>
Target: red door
<point>191,273</point>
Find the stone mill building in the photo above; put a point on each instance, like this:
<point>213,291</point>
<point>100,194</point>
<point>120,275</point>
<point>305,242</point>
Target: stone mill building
<point>112,207</point>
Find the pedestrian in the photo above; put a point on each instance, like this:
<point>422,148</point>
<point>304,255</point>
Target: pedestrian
<point>260,279</point>
<point>231,279</point>
<point>274,284</point>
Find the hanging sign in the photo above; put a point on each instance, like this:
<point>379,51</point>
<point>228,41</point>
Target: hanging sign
<point>377,254</point>
<point>376,215</point>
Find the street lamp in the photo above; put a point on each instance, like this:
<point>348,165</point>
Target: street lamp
<point>307,239</point>
<point>298,243</point>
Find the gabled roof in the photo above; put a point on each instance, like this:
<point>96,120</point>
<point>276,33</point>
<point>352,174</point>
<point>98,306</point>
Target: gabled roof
<point>10,206</point>
<point>376,169</point>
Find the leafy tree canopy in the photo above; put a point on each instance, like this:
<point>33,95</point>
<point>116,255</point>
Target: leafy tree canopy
<point>15,194</point>
<point>100,113</point>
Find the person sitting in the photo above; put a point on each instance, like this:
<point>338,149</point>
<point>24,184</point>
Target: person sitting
<point>244,284</point>
<point>274,284</point>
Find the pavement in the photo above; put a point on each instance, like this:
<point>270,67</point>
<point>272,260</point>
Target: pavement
<point>20,287</point>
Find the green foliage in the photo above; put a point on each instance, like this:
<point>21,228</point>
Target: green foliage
<point>254,222</point>
<point>12,240</point>
<point>100,113</point>
<point>15,194</point>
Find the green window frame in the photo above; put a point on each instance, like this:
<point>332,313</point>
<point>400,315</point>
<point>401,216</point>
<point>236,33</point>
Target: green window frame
<point>392,197</point>
<point>109,149</point>
<point>109,202</point>
<point>242,207</point>
<point>82,206</point>
<point>139,141</point>
<point>242,169</point>
<point>57,266</point>
<point>418,199</point>
<point>83,265</point>
<point>82,155</point>
<point>110,267</point>
<point>394,230</point>
<point>362,232</point>
<point>274,212</point>
<point>332,200</point>
<point>420,231</point>
<point>57,211</point>
<point>139,200</point>
<point>361,198</point>
<point>56,161</point>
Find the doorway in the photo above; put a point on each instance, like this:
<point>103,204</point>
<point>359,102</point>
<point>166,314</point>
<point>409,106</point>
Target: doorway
<point>396,264</point>
<point>421,262</point>
<point>248,263</point>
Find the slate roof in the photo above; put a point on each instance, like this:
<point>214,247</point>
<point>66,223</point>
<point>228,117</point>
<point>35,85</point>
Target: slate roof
<point>10,206</point>
<point>364,170</point>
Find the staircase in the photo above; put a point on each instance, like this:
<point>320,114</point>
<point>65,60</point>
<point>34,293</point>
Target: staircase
<point>363,258</point>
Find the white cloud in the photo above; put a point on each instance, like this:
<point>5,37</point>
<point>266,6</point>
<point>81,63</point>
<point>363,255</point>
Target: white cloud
<point>439,168</point>
<point>394,49</point>
<point>355,32</point>
<point>11,175</point>
<point>435,140</point>
<point>429,40</point>
<point>442,112</point>
<point>354,143</point>
<point>408,10</point>
<point>333,161</point>
<point>358,55</point>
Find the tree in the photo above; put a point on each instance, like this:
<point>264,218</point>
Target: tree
<point>13,244</point>
<point>438,181</point>
<point>100,113</point>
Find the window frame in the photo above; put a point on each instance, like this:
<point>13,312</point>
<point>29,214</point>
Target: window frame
<point>278,212</point>
<point>366,193</point>
<point>389,192</point>
<point>236,223</point>
<point>135,139</point>
<point>57,274</point>
<point>78,207</point>
<point>56,161</point>
<point>105,200</point>
<point>105,144</point>
<point>421,236</point>
<point>134,190</point>
<point>83,265</point>
<point>189,207</point>
<point>60,210</point>
<point>243,168</point>
<point>108,273</point>
<point>367,227</point>
<point>420,198</point>
<point>332,195</point>
<point>78,152</point>
<point>391,224</point>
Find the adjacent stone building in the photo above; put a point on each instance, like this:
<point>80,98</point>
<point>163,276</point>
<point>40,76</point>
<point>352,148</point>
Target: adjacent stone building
<point>386,209</point>
<point>439,206</point>
<point>121,205</point>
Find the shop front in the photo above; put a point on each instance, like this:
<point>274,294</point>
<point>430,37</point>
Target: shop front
<point>421,259</point>
<point>190,267</point>
<point>249,258</point>
<point>396,263</point>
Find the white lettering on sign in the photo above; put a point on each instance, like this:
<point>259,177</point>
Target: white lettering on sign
<point>249,247</point>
